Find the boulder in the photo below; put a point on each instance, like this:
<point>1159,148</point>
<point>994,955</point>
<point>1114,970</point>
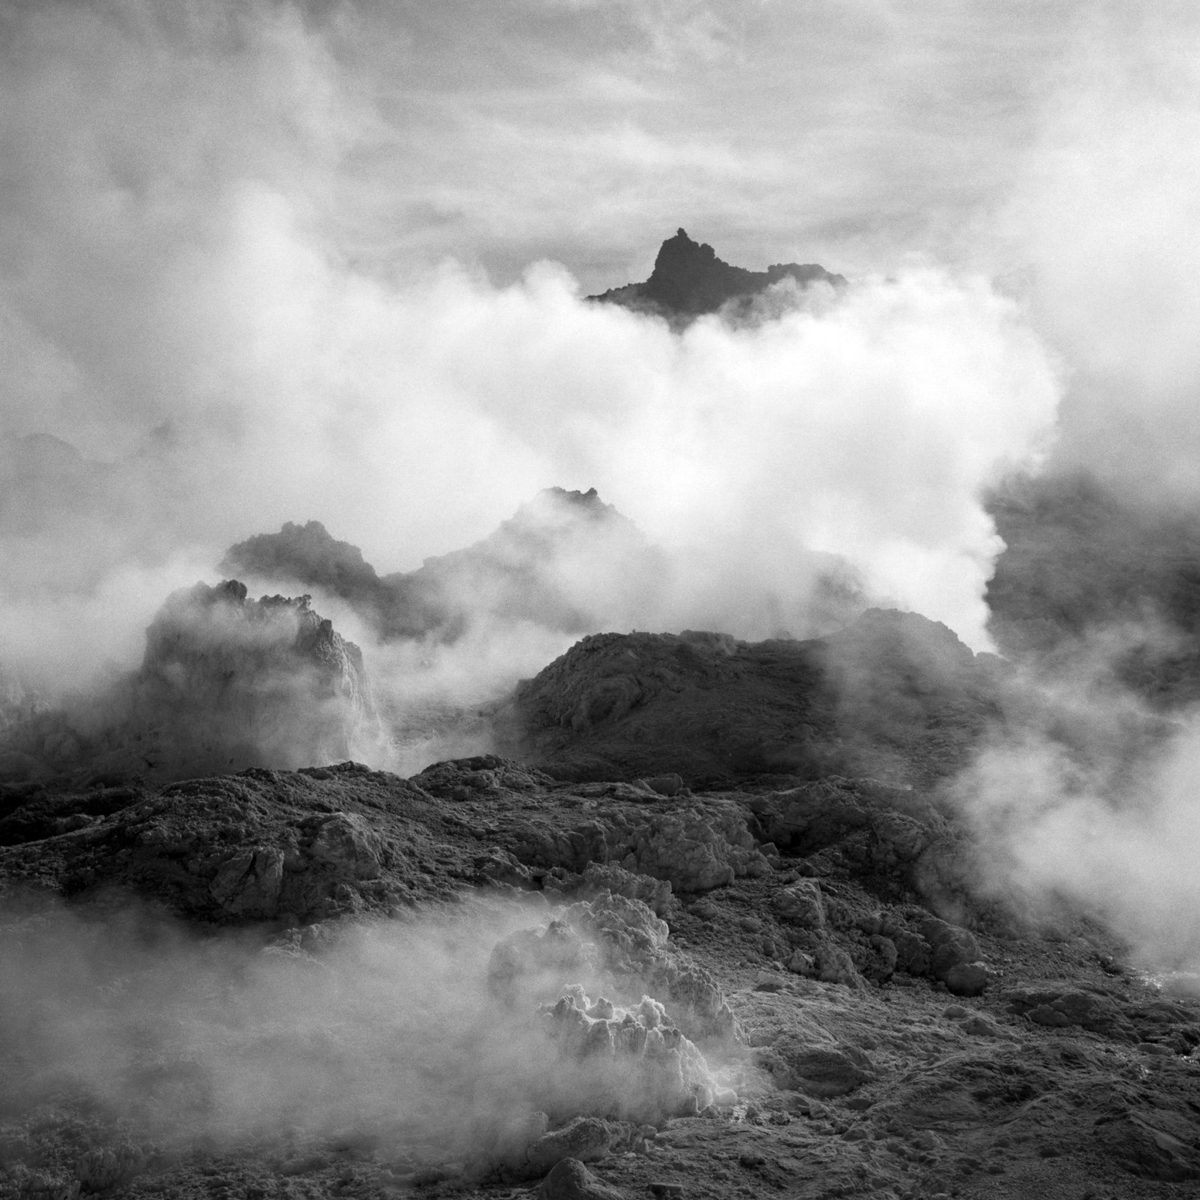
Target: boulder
<point>968,979</point>
<point>585,1139</point>
<point>949,946</point>
<point>801,904</point>
<point>819,1071</point>
<point>569,1179</point>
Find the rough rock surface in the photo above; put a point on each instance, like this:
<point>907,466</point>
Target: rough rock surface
<point>689,279</point>
<point>816,977</point>
<point>893,695</point>
<point>569,1179</point>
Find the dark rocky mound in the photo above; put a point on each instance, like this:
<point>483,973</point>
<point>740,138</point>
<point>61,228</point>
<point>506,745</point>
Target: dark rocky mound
<point>565,561</point>
<point>1096,583</point>
<point>310,556</point>
<point>689,279</point>
<point>225,682</point>
<point>893,695</point>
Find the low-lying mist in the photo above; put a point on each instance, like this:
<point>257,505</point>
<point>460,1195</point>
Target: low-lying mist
<point>399,1032</point>
<point>1059,835</point>
<point>1082,799</point>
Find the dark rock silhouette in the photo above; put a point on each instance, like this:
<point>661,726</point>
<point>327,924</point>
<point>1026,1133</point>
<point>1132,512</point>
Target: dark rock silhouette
<point>689,279</point>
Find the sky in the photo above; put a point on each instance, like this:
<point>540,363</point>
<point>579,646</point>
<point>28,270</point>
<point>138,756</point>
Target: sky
<point>278,261</point>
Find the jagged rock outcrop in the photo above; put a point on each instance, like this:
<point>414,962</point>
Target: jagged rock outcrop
<point>308,555</point>
<point>225,683</point>
<point>251,682</point>
<point>689,279</point>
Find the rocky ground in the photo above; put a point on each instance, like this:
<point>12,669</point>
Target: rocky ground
<point>834,1011</point>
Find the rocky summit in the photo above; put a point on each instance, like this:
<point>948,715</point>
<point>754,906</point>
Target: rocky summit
<point>689,280</point>
<point>893,695</point>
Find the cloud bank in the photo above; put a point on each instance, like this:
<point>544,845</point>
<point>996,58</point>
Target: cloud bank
<point>178,306</point>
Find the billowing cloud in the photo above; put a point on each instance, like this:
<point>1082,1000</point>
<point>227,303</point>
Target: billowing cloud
<point>271,262</point>
<point>181,306</point>
<point>1101,216</point>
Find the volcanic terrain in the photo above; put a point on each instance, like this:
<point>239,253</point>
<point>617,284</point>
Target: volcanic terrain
<point>699,916</point>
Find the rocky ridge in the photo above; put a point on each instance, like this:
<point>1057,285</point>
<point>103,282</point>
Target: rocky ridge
<point>689,280</point>
<point>565,561</point>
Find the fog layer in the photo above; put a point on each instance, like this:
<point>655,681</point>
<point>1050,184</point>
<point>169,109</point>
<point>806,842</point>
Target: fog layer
<point>176,305</point>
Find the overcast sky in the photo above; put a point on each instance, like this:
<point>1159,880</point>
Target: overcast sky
<point>853,132</point>
<point>287,250</point>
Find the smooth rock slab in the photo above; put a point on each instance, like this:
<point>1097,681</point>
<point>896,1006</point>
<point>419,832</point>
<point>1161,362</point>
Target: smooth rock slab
<point>820,1071</point>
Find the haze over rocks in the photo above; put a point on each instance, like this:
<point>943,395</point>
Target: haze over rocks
<point>1100,583</point>
<point>713,914</point>
<point>565,561</point>
<point>816,972</point>
<point>225,682</point>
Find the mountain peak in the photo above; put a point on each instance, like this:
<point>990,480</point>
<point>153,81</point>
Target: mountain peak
<point>689,279</point>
